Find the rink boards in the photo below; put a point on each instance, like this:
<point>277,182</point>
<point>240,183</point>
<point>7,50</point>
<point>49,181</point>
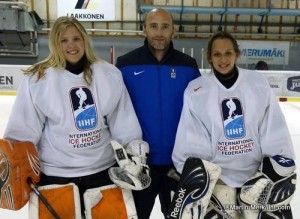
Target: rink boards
<point>286,84</point>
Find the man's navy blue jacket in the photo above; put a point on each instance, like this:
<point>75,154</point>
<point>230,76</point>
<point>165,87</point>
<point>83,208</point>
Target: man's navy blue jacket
<point>156,90</point>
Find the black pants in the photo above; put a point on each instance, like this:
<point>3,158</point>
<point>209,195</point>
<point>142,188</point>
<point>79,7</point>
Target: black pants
<point>161,185</point>
<point>83,182</point>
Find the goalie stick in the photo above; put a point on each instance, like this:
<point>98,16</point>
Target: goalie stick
<point>42,198</point>
<point>217,206</point>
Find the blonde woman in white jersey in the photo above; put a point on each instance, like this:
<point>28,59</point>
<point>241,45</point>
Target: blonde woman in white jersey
<point>247,151</point>
<point>73,135</point>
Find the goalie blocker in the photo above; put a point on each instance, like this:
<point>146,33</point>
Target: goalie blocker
<point>270,192</point>
<point>195,188</point>
<point>18,162</point>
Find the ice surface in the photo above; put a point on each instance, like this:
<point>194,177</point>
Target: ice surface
<point>291,111</point>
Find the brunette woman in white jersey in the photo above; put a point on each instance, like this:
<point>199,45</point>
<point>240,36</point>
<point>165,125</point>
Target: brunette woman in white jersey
<point>72,137</point>
<point>253,148</point>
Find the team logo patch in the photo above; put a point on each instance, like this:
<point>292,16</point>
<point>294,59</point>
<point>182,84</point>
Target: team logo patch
<point>233,118</point>
<point>84,108</point>
<point>173,73</point>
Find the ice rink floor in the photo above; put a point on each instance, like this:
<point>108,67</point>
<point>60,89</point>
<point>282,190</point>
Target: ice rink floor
<point>291,111</point>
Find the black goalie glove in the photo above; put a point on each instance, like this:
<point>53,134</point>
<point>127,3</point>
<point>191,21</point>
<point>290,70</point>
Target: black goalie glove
<point>273,186</point>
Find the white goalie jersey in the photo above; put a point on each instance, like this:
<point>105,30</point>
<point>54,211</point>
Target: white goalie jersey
<point>72,120</point>
<point>233,128</point>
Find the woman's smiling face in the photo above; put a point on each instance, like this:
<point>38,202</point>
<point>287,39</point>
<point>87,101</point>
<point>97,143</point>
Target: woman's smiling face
<point>223,56</point>
<point>72,45</point>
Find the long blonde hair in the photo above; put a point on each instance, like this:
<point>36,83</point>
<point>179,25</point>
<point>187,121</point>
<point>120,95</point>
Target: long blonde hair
<point>56,58</point>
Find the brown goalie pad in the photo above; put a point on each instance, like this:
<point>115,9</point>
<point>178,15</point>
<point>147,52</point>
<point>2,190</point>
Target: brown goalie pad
<point>113,203</point>
<point>63,199</point>
<point>109,202</point>
<point>18,162</point>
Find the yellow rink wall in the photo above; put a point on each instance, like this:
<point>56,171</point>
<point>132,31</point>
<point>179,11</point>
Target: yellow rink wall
<point>288,99</point>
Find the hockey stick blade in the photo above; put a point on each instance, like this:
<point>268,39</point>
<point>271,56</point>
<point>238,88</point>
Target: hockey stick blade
<point>33,186</point>
<point>173,174</point>
<point>217,206</point>
<point>192,186</point>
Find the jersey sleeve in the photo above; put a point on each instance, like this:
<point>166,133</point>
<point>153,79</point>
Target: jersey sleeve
<point>274,135</point>
<point>122,121</point>
<point>192,138</point>
<point>25,122</point>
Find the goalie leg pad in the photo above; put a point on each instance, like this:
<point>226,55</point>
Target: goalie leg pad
<point>64,199</point>
<point>223,202</point>
<point>280,214</point>
<point>251,212</point>
<point>109,202</point>
<point>18,162</point>
<point>195,189</point>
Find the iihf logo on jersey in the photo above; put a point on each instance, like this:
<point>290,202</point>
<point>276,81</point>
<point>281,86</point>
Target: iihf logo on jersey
<point>233,118</point>
<point>84,108</point>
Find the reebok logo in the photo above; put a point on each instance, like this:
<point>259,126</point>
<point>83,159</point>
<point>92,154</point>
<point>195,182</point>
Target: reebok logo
<point>178,203</point>
<point>284,160</point>
<point>137,73</point>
